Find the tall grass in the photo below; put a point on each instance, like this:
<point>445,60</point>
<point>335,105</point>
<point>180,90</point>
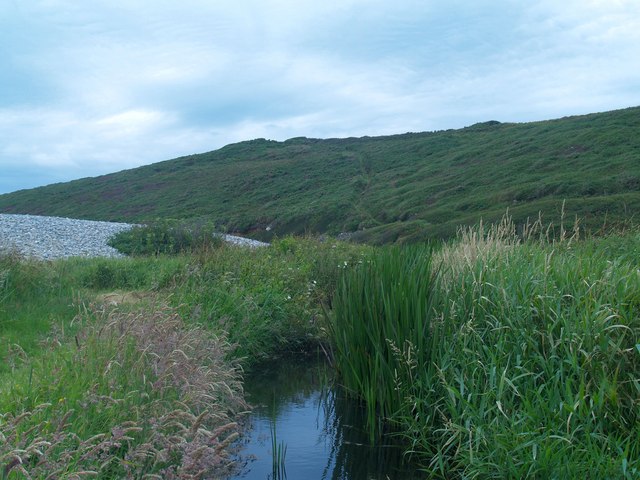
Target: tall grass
<point>382,316</point>
<point>268,300</point>
<point>135,395</point>
<point>540,370</point>
<point>278,451</point>
<point>495,356</point>
<point>35,298</point>
<point>533,356</point>
<point>150,392</point>
<point>39,300</point>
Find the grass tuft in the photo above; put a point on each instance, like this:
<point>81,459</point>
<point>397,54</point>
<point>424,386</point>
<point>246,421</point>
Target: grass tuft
<point>382,316</point>
<point>135,394</point>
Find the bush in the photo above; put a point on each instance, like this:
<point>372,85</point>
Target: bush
<point>168,237</point>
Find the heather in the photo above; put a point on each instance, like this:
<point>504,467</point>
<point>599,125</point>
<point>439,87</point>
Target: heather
<point>395,188</point>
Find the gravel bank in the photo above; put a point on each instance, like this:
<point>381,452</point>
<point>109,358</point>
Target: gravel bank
<point>48,238</point>
<point>243,242</point>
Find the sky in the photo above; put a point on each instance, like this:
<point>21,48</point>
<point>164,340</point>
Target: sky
<point>89,87</point>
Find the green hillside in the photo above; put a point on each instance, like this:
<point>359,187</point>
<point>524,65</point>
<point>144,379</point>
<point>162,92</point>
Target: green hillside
<point>400,187</point>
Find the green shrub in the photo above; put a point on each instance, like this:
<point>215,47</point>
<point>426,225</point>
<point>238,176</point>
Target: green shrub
<point>168,237</point>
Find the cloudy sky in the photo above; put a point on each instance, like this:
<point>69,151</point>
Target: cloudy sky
<point>95,86</point>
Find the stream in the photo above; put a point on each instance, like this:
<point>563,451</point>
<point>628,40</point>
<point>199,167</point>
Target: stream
<point>319,433</point>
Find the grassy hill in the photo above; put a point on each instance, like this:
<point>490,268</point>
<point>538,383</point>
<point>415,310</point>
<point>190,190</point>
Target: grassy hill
<point>392,188</point>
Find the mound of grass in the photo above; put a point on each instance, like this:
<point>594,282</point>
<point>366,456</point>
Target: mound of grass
<point>268,299</point>
<point>400,188</point>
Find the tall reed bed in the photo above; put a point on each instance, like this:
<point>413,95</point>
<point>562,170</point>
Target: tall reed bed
<point>382,317</point>
<point>529,365</point>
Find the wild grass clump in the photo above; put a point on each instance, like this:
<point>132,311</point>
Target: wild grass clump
<point>484,243</point>
<point>168,237</point>
<point>134,395</point>
<point>533,365</point>
<point>383,310</point>
<point>148,273</point>
<point>34,298</point>
<point>41,297</point>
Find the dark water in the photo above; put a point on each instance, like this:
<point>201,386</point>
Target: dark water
<point>321,429</point>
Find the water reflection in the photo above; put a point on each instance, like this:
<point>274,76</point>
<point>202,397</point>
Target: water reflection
<point>321,428</point>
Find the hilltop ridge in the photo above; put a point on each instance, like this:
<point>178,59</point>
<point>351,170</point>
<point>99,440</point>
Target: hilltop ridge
<point>403,187</point>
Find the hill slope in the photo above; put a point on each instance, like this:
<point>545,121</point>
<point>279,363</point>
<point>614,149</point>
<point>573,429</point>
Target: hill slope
<point>400,187</point>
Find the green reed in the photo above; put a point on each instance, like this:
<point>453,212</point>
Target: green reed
<point>538,376</point>
<point>382,317</point>
<point>278,453</point>
<point>515,360</point>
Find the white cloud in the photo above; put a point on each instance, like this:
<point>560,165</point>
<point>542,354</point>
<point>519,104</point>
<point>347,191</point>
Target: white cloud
<point>131,123</point>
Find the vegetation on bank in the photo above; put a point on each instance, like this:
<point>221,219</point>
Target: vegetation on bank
<point>93,390</point>
<point>494,357</point>
<point>497,358</point>
<point>400,188</point>
<point>131,367</point>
